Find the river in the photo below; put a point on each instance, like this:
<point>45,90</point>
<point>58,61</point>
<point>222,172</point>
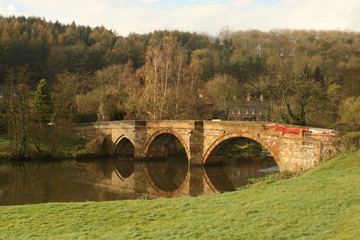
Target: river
<point>120,178</point>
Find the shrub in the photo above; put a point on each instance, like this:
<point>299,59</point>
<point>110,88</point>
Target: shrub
<point>350,141</point>
<point>145,196</point>
<point>349,110</point>
<point>347,127</point>
<point>83,117</point>
<point>100,145</point>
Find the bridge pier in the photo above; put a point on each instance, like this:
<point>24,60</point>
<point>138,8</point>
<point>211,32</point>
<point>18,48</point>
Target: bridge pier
<point>196,182</point>
<point>196,142</point>
<point>139,141</point>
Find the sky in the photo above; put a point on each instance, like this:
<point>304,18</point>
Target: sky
<point>204,16</point>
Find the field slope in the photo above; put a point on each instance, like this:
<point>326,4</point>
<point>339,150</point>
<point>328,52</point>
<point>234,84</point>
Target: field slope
<point>323,203</point>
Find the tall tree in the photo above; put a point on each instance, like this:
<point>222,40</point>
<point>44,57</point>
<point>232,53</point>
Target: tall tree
<point>17,112</point>
<point>349,111</point>
<point>223,89</point>
<point>43,98</point>
<point>67,87</point>
<point>292,94</point>
<point>161,72</point>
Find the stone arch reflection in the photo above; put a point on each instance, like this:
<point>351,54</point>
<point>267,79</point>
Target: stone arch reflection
<point>167,163</point>
<point>217,179</point>
<point>124,168</point>
<point>234,160</point>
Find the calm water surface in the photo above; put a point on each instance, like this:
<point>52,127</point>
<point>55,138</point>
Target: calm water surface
<point>120,178</point>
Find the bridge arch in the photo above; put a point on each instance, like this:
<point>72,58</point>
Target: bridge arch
<point>123,146</point>
<point>227,141</point>
<point>155,146</point>
<point>164,182</point>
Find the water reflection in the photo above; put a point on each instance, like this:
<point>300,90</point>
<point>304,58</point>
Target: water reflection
<point>49,182</point>
<point>231,176</point>
<point>124,167</point>
<point>167,175</point>
<point>167,164</point>
<point>119,178</point>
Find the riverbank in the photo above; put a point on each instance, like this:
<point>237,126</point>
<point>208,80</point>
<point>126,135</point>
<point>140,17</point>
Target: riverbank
<point>69,148</point>
<point>323,203</point>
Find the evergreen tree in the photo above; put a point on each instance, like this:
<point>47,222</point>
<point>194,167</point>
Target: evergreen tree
<point>43,100</point>
<point>318,76</point>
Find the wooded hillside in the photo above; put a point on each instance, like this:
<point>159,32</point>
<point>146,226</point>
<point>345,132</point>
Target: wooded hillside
<point>308,77</point>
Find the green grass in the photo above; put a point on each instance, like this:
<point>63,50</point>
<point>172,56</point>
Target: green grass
<point>323,203</point>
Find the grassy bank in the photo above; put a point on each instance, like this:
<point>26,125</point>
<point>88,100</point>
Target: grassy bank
<point>323,203</point>
<point>65,148</point>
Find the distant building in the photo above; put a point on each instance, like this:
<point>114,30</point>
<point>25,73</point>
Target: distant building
<point>250,110</point>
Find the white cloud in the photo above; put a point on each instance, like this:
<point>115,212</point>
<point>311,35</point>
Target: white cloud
<point>8,10</point>
<point>12,10</point>
<point>2,7</point>
<point>210,16</point>
<point>148,1</point>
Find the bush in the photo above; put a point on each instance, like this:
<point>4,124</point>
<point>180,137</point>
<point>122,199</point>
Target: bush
<point>145,196</point>
<point>350,141</point>
<point>83,117</point>
<point>347,127</point>
<point>99,146</point>
<point>349,110</point>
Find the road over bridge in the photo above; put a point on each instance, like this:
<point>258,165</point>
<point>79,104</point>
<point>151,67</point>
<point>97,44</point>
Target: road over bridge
<point>207,142</point>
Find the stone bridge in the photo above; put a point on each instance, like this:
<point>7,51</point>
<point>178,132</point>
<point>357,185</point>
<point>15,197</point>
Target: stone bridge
<point>207,142</point>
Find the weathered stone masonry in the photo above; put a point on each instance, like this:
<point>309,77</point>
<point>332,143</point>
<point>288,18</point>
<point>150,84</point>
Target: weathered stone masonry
<point>206,142</point>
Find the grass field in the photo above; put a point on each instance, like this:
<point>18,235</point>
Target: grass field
<point>323,203</point>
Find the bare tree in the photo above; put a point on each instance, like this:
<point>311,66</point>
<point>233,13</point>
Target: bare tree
<point>223,90</point>
<point>17,111</point>
<point>291,94</point>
